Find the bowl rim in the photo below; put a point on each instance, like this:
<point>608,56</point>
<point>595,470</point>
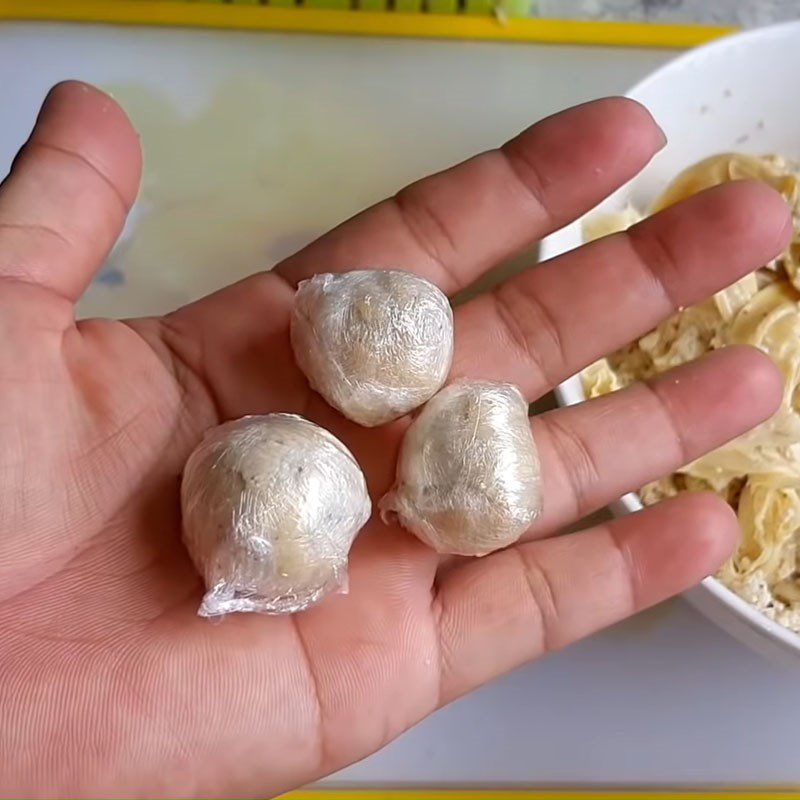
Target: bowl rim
<point>721,43</point>
<point>714,589</point>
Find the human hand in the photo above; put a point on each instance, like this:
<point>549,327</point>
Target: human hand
<point>110,682</point>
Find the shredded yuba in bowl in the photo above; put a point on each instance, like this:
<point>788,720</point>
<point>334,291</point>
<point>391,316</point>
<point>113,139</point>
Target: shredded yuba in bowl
<point>759,473</point>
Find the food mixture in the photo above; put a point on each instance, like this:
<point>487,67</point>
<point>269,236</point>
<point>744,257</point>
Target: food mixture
<point>759,473</point>
<point>468,475</point>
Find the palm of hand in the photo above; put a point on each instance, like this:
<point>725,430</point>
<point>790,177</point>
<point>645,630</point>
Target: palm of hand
<point>103,598</point>
<point>110,681</point>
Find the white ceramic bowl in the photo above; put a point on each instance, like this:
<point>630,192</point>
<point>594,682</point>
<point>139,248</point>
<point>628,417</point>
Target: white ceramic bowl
<point>737,93</point>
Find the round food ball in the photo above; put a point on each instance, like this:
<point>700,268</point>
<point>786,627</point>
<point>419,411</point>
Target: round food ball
<point>271,505</point>
<point>375,344</point>
<point>468,476</point>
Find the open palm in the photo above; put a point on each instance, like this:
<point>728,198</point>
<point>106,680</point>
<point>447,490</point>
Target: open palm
<point>109,682</point>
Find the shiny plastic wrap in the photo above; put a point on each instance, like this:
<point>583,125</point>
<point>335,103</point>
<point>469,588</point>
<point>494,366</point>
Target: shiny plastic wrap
<point>375,344</point>
<point>468,476</point>
<point>271,505</point>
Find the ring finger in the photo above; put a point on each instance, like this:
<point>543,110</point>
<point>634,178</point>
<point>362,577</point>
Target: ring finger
<point>595,452</point>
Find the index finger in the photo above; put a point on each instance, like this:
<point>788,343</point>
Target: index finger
<point>454,226</point>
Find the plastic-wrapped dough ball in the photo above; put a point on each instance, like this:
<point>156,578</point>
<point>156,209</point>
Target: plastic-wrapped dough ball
<point>468,477</point>
<point>375,344</point>
<point>271,505</point>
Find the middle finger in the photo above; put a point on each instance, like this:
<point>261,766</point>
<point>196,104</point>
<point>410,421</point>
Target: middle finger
<point>551,321</point>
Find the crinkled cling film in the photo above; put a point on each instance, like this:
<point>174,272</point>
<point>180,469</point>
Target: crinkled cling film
<point>376,344</point>
<point>759,473</point>
<point>468,476</point>
<point>271,505</point>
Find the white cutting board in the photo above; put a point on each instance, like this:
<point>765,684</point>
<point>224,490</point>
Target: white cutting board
<point>254,144</point>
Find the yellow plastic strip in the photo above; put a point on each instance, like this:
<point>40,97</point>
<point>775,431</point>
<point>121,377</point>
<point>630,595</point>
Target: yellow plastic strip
<point>454,794</point>
<point>365,23</point>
